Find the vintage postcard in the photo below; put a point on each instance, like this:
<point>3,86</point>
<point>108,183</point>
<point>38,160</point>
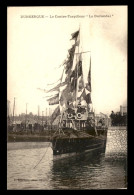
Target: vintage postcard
<point>67,97</point>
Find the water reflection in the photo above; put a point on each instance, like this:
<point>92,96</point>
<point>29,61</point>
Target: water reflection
<point>89,171</point>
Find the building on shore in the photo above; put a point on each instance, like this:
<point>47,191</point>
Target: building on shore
<point>123,110</point>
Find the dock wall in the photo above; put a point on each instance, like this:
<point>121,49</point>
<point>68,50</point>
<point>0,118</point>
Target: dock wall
<point>116,141</point>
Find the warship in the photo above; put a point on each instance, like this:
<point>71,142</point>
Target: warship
<point>78,130</point>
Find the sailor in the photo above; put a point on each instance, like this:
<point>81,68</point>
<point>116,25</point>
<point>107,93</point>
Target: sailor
<point>64,123</point>
<point>103,122</point>
<point>79,107</point>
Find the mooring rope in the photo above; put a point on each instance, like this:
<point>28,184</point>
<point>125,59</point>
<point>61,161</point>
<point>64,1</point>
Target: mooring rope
<point>42,157</point>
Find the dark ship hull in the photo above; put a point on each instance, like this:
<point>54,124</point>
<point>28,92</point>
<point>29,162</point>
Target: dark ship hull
<point>75,143</point>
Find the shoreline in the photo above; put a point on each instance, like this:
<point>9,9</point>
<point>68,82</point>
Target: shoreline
<point>17,137</point>
<point>28,138</point>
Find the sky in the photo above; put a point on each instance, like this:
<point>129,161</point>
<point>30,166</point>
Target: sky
<point>36,47</point>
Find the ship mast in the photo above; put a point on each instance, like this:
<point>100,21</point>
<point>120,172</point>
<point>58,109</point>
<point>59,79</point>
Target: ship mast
<point>79,56</point>
<point>46,119</point>
<point>8,109</point>
<point>77,60</point>
<point>38,116</point>
<point>42,120</point>
<point>77,63</point>
<point>88,105</point>
<point>61,111</point>
<point>13,109</point>
<point>26,118</point>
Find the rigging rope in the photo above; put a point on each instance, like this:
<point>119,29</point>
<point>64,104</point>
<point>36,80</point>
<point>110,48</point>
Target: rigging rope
<point>53,83</point>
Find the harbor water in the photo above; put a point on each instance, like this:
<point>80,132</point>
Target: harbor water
<point>30,165</point>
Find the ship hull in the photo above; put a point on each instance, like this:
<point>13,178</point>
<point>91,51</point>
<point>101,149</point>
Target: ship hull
<point>68,147</point>
<point>68,155</point>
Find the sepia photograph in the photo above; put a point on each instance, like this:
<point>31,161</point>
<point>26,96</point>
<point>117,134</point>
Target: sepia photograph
<point>67,97</point>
